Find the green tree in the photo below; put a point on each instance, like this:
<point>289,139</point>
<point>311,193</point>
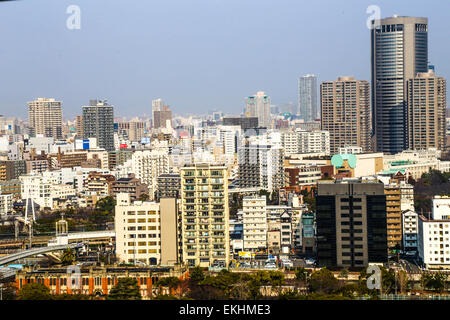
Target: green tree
<point>171,282</point>
<point>434,281</point>
<point>302,274</point>
<point>34,291</point>
<point>125,289</point>
<point>106,205</point>
<point>323,281</point>
<point>196,275</point>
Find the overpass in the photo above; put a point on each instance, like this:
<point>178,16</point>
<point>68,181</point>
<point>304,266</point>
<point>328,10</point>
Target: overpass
<point>32,252</point>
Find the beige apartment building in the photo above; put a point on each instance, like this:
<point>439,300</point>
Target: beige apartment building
<point>426,111</point>
<point>205,215</point>
<point>393,215</point>
<point>345,108</point>
<point>254,218</point>
<point>45,117</point>
<point>146,231</point>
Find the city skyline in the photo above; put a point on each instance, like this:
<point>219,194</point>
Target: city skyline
<point>186,72</point>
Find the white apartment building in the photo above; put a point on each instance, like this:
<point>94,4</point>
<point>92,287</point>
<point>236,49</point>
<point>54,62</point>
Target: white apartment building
<point>406,196</point>
<point>261,164</point>
<point>148,166</point>
<point>350,150</point>
<point>302,141</point>
<point>314,141</point>
<point>434,243</point>
<point>410,231</point>
<point>36,187</point>
<point>6,203</point>
<point>254,223</point>
<point>441,207</point>
<point>138,231</point>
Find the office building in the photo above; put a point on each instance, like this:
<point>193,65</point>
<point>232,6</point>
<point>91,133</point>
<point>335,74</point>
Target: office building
<point>258,106</point>
<point>205,215</point>
<point>351,223</point>
<point>307,98</point>
<point>426,105</point>
<point>162,115</point>
<point>345,112</point>
<point>45,117</point>
<point>399,50</point>
<point>98,122</point>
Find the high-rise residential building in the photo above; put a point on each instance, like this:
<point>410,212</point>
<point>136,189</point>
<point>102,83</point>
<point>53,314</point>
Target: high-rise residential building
<point>98,122</point>
<point>45,117</point>
<point>254,220</point>
<point>351,223</point>
<point>302,141</point>
<point>399,50</point>
<point>345,109</point>
<point>205,215</point>
<point>162,115</point>
<point>393,215</point>
<point>307,98</point>
<point>148,166</point>
<point>261,165</point>
<point>169,185</point>
<point>133,130</point>
<point>258,106</point>
<point>79,126</point>
<point>426,111</point>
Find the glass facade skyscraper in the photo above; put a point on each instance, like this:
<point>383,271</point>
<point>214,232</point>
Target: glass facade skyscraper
<point>399,50</point>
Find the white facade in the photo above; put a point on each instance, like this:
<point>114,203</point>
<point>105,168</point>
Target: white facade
<point>259,106</point>
<point>6,203</point>
<point>440,208</point>
<point>410,231</point>
<point>254,223</point>
<point>35,187</point>
<point>434,243</point>
<point>138,232</point>
<point>148,166</point>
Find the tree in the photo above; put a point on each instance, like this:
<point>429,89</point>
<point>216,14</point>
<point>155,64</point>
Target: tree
<point>34,291</point>
<point>171,282</point>
<point>68,257</point>
<point>323,281</point>
<point>196,275</point>
<point>125,289</point>
<point>106,205</point>
<point>434,281</point>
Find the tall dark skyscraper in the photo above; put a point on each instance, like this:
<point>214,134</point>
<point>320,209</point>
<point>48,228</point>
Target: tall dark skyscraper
<point>399,50</point>
<point>98,122</point>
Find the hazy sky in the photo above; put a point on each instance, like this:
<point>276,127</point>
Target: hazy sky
<point>197,55</point>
